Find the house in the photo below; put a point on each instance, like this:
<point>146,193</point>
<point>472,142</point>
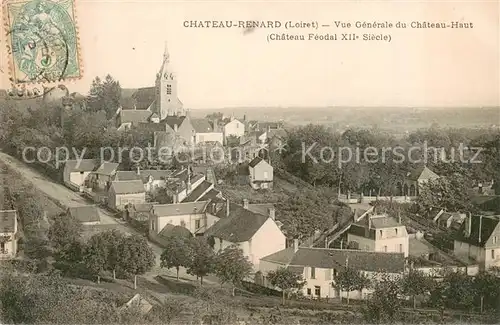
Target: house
<point>379,233</point>
<point>256,234</point>
<point>415,179</point>
<point>192,216</point>
<point>182,128</point>
<point>8,234</point>
<point>100,179</point>
<point>479,239</point>
<point>260,174</point>
<point>86,214</point>
<point>450,220</point>
<point>234,128</point>
<point>277,138</point>
<point>319,267</point>
<point>128,118</point>
<point>122,193</point>
<point>152,179</point>
<point>207,131</point>
<point>76,173</point>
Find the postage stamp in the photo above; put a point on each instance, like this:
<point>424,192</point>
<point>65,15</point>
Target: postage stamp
<point>42,41</point>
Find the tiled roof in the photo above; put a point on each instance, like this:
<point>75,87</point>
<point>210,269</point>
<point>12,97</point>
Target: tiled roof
<point>255,162</point>
<point>126,176</point>
<point>143,207</point>
<point>178,209</point>
<point>177,231</point>
<point>202,126</point>
<point>84,165</point>
<point>196,194</point>
<point>419,247</point>
<point>384,222</point>
<point>262,208</point>
<point>8,220</point>
<point>336,258</point>
<point>107,168</point>
<point>128,187</point>
<point>240,226</point>
<point>422,173</point>
<point>155,174</point>
<point>174,120</point>
<point>134,116</point>
<point>151,127</point>
<point>484,225</point>
<point>144,97</point>
<point>211,195</point>
<point>87,213</point>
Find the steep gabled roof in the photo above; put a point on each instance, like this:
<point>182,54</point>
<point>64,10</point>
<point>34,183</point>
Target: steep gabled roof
<point>240,226</point>
<point>84,165</point>
<point>196,194</point>
<point>144,97</point>
<point>127,187</point>
<point>336,258</point>
<point>174,120</point>
<point>482,227</point>
<point>126,176</point>
<point>106,168</point>
<point>134,116</point>
<point>422,173</point>
<point>211,195</point>
<point>202,126</point>
<point>255,162</point>
<point>8,219</point>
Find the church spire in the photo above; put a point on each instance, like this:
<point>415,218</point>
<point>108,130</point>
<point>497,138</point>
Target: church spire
<point>166,55</point>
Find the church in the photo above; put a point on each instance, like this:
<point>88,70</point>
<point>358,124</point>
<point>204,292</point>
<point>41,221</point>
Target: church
<point>159,110</point>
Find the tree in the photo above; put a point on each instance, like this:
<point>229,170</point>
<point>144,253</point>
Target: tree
<point>202,260</point>
<point>111,240</point>
<point>448,193</point>
<point>350,279</point>
<point>384,305</point>
<point>416,283</point>
<point>456,290</point>
<point>135,256</point>
<point>486,285</point>
<point>95,256</point>
<point>286,280</point>
<point>65,229</point>
<point>232,266</point>
<point>104,95</point>
<point>215,116</point>
<point>177,253</point>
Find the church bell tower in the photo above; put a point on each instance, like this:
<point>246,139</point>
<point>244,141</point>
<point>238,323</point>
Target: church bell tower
<point>167,102</point>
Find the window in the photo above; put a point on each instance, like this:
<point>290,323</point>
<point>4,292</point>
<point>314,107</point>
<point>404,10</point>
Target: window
<point>328,274</point>
<point>400,248</point>
<point>266,175</point>
<point>169,89</point>
<point>197,224</point>
<point>495,239</point>
<point>2,247</point>
<point>317,291</point>
<point>313,273</point>
<point>335,272</point>
<point>493,254</point>
<point>81,173</point>
<point>380,233</point>
<point>385,249</point>
<point>183,223</point>
<point>237,125</point>
<point>396,231</point>
<point>152,225</point>
<point>308,291</point>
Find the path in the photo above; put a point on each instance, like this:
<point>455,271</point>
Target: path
<point>66,197</point>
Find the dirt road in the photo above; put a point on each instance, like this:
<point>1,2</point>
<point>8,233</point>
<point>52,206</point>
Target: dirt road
<point>68,198</point>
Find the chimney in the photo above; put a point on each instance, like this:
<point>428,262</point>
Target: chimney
<point>227,207</point>
<point>368,226</point>
<point>272,213</point>
<point>354,215</point>
<point>175,127</point>
<point>295,245</point>
<point>245,203</point>
<point>214,209</point>
<point>480,225</point>
<point>244,117</point>
<point>138,170</point>
<point>468,225</point>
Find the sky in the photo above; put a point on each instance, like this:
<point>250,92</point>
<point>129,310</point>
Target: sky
<point>227,68</point>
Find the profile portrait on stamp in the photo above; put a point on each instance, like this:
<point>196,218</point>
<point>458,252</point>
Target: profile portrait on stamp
<point>42,41</point>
